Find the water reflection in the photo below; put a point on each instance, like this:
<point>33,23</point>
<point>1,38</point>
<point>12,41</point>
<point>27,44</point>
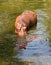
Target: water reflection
<point>37,46</point>
<point>21,43</point>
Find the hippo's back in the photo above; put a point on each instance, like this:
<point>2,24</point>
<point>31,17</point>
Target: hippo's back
<point>29,17</point>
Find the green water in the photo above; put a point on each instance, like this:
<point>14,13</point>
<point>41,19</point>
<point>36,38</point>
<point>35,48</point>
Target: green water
<point>38,51</point>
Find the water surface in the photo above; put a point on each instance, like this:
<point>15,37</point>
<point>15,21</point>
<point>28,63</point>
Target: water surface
<point>38,49</point>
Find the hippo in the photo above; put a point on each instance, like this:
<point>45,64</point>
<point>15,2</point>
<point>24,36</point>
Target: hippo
<point>24,21</point>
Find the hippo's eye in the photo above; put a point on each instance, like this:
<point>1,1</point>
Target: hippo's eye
<point>24,27</point>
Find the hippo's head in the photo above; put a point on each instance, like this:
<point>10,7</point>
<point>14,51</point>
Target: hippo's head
<point>20,29</point>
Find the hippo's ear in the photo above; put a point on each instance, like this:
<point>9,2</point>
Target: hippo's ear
<point>18,26</point>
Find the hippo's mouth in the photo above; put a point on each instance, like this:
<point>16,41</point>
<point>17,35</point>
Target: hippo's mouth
<point>21,31</point>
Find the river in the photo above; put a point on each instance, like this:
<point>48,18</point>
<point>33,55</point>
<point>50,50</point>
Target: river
<point>38,49</point>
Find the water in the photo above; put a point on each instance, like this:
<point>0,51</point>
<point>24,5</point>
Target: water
<point>38,49</point>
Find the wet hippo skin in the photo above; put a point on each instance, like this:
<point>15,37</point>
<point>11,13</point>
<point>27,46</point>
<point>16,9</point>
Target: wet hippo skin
<point>24,21</point>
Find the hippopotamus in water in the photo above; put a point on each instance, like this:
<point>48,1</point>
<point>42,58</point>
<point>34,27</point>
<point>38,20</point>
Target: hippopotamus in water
<point>24,21</point>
